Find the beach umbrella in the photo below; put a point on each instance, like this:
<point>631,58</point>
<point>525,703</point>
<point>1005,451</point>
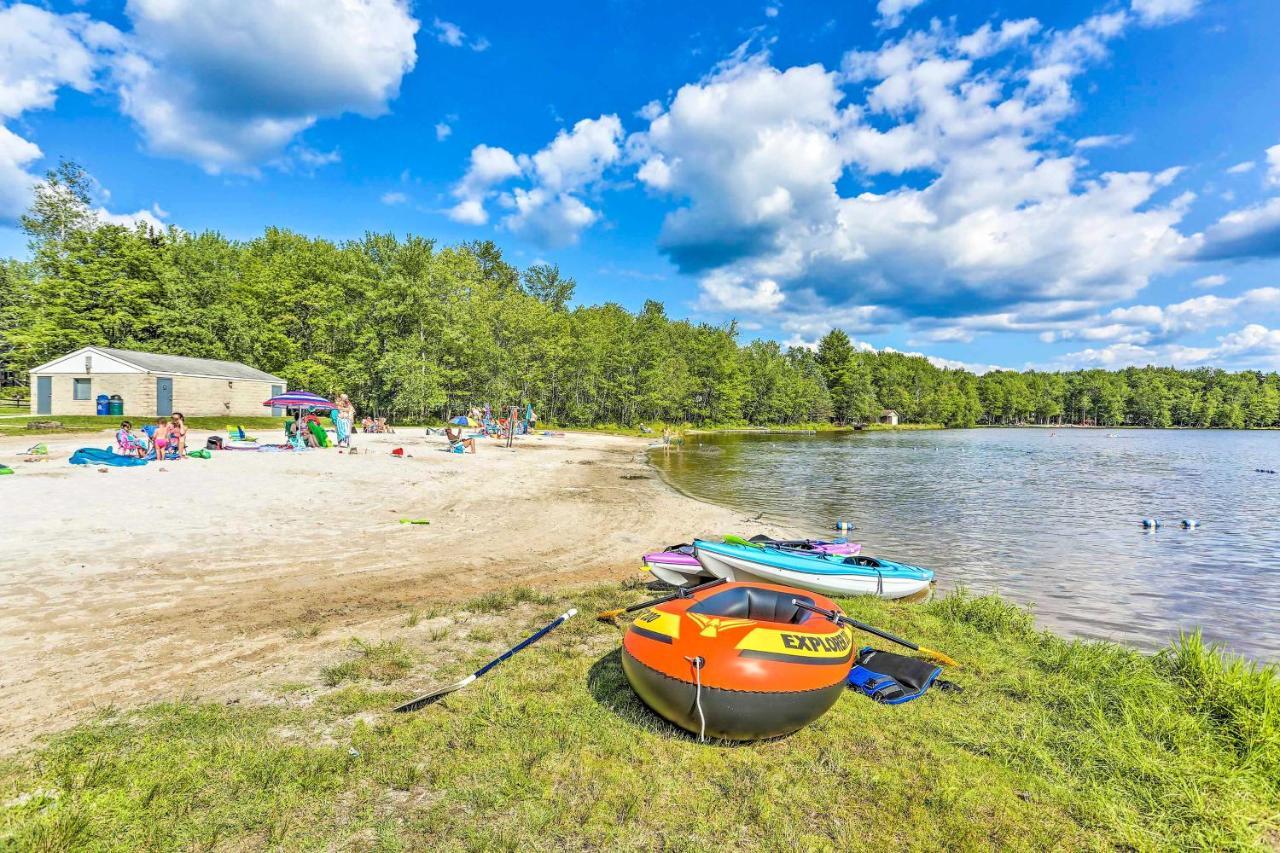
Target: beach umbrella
<point>299,400</point>
<point>463,420</point>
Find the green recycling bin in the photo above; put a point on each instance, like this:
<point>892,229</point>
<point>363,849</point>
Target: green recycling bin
<point>117,405</point>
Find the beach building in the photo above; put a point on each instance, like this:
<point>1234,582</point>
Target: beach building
<point>889,416</point>
<point>147,384</point>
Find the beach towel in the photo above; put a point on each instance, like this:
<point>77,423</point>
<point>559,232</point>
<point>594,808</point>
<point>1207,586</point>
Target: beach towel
<point>342,427</point>
<point>99,456</point>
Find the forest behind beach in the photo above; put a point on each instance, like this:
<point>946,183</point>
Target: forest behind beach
<point>412,329</point>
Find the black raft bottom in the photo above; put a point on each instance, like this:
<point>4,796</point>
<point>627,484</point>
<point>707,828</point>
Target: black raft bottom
<point>730,714</point>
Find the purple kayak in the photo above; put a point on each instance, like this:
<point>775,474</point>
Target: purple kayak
<point>677,565</point>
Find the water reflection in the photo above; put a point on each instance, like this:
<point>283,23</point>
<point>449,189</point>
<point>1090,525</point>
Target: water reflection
<point>1049,518</point>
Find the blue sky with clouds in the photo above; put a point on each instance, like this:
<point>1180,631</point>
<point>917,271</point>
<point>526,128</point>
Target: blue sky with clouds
<point>990,183</point>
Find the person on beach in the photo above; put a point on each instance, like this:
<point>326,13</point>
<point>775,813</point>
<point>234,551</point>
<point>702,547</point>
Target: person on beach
<point>455,439</point>
<point>344,417</point>
<point>160,439</point>
<point>128,444</point>
<point>178,433</point>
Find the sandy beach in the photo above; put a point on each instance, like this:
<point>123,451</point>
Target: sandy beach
<point>222,577</point>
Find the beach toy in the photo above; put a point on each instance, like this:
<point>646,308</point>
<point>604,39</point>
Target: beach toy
<point>844,525</point>
<point>5,469</point>
<point>739,661</point>
<point>399,451</point>
<point>1150,523</point>
<point>1190,523</point>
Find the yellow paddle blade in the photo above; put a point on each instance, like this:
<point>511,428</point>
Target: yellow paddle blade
<point>610,615</point>
<point>945,660</point>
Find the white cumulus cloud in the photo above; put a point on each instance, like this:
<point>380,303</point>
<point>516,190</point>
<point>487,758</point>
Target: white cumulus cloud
<point>1154,12</point>
<point>549,209</point>
<point>229,84</point>
<point>489,166</point>
<point>892,12</point>
<point>1002,222</point>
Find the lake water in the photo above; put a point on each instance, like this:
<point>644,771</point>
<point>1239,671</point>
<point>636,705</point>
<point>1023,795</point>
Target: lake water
<point>1046,517</point>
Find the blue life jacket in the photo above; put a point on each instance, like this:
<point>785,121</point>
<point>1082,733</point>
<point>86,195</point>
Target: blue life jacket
<point>893,679</point>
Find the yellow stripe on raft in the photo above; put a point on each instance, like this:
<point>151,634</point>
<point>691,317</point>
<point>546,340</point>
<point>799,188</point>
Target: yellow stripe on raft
<point>659,622</point>
<point>820,647</point>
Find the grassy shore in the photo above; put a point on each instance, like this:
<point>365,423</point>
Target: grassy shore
<point>95,423</point>
<point>1052,744</point>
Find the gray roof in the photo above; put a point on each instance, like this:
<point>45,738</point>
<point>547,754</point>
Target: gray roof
<point>183,365</point>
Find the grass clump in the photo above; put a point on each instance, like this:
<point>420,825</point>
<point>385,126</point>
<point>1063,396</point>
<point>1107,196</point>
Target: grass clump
<point>501,600</point>
<point>386,661</point>
<point>1052,745</point>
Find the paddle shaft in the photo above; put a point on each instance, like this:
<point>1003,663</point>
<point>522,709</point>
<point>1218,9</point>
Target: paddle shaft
<point>679,593</point>
<point>841,619</point>
<point>811,551</point>
<point>415,704</point>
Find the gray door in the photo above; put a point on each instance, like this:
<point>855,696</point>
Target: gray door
<point>44,395</point>
<point>164,396</point>
<point>276,391</point>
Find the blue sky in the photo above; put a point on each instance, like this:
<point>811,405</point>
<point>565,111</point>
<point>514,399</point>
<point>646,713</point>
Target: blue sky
<point>1063,184</point>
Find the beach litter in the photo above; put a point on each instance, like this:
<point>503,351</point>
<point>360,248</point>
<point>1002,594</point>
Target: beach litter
<point>414,521</point>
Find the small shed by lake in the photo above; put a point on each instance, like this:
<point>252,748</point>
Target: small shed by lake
<point>888,417</point>
<point>150,384</point>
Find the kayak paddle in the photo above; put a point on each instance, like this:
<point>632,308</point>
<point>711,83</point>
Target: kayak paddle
<point>682,592</point>
<point>841,619</point>
<point>428,698</point>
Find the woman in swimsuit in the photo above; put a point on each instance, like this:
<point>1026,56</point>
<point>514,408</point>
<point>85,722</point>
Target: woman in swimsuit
<point>178,433</point>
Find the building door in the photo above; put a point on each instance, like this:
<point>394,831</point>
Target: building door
<point>276,391</point>
<point>164,396</point>
<point>44,395</point>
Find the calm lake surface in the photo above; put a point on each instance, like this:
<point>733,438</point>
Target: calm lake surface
<point>1046,517</point>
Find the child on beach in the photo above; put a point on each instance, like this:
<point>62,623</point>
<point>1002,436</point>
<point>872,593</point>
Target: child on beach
<point>128,444</point>
<point>160,439</point>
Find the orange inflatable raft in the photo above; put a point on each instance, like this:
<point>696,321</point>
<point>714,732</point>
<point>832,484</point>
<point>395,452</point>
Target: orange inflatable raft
<point>738,661</point>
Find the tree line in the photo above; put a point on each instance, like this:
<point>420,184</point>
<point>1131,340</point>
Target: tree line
<point>412,329</point>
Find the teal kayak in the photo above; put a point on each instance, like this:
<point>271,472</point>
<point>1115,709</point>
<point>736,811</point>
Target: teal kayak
<point>828,574</point>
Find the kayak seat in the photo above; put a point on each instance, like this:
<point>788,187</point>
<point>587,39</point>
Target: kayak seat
<point>859,560</point>
<point>762,605</point>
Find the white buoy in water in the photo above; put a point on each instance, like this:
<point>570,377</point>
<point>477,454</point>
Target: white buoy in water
<point>1190,523</point>
<point>1150,523</point>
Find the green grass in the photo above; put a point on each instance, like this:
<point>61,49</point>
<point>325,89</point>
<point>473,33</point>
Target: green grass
<point>94,423</point>
<point>1052,745</point>
<point>387,661</point>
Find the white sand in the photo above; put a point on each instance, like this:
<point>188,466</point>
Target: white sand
<point>197,577</point>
